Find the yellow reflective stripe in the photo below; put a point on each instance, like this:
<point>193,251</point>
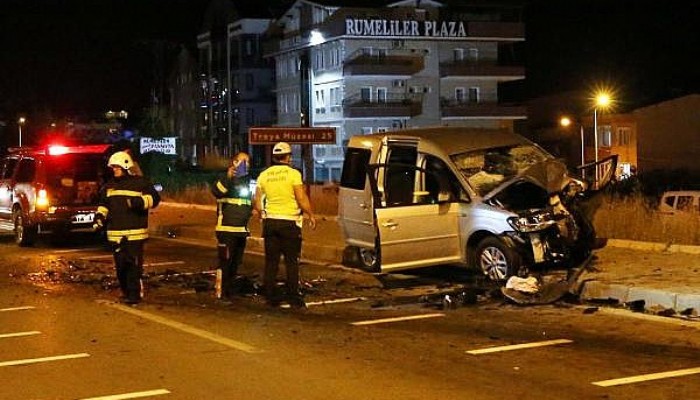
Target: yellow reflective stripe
<point>103,210</point>
<point>236,201</point>
<point>237,229</point>
<point>221,187</point>
<point>130,193</point>
<point>130,234</point>
<point>147,201</point>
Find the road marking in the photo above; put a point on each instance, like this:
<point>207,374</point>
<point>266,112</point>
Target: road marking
<point>519,346</point>
<point>97,257</point>
<point>77,250</point>
<point>184,328</point>
<point>18,334</point>
<point>16,308</point>
<point>42,359</point>
<point>132,395</point>
<point>334,301</point>
<point>160,264</point>
<point>647,377</point>
<point>397,319</point>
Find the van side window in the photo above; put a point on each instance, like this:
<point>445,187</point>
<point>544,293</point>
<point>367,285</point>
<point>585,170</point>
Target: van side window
<point>355,168</point>
<point>670,200</point>
<point>399,178</point>
<point>685,203</point>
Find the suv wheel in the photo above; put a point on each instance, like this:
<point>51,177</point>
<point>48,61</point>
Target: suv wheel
<point>24,235</point>
<point>496,260</point>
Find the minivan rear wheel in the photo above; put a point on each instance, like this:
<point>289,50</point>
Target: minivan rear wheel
<point>25,235</point>
<point>497,260</point>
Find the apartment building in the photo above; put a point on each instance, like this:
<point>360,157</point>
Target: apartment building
<point>405,64</point>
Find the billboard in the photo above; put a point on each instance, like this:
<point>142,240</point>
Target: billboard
<point>164,145</point>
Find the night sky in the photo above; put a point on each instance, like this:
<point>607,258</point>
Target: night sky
<point>86,56</point>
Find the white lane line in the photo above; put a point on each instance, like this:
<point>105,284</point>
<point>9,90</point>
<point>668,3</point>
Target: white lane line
<point>132,395</point>
<point>76,250</point>
<point>16,308</point>
<point>42,359</point>
<point>334,301</point>
<point>160,264</point>
<point>519,346</point>
<point>397,319</point>
<point>184,328</point>
<point>647,377</point>
<point>96,257</point>
<point>18,334</point>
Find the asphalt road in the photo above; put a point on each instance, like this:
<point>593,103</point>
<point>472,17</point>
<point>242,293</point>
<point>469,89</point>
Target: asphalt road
<point>62,336</point>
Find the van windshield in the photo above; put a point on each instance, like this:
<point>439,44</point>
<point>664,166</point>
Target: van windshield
<point>486,169</point>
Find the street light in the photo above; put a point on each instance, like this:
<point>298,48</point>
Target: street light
<point>20,122</point>
<point>565,122</point>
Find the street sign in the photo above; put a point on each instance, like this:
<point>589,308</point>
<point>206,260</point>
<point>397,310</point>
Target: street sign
<point>272,135</point>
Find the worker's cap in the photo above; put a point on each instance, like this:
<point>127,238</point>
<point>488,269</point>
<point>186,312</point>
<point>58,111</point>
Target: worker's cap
<point>282,148</point>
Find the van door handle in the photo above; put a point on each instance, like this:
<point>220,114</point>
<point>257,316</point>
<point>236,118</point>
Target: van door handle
<point>363,206</point>
<point>390,224</point>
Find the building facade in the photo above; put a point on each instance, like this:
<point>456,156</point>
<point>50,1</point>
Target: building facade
<point>235,81</point>
<point>407,64</point>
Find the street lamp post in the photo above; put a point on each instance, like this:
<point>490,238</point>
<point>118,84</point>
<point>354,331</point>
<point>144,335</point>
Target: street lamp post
<point>20,122</point>
<point>566,122</point>
<point>602,100</point>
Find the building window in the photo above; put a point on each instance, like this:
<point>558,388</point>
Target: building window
<point>473,54</point>
<point>473,94</point>
<point>458,54</point>
<point>624,134</point>
<point>249,82</point>
<point>605,135</point>
<point>460,95</point>
<point>367,130</point>
<point>249,47</point>
<point>366,94</point>
<point>381,95</point>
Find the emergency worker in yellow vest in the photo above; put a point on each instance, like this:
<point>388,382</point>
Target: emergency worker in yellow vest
<point>281,200</point>
<point>233,210</point>
<point>124,205</point>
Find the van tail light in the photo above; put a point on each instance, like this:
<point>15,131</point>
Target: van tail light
<point>42,199</point>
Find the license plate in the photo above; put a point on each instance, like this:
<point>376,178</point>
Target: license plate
<point>83,218</point>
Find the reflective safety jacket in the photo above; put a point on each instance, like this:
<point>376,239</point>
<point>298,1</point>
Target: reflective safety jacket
<point>233,205</point>
<point>124,203</point>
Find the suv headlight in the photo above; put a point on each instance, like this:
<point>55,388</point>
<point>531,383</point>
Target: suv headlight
<point>531,223</point>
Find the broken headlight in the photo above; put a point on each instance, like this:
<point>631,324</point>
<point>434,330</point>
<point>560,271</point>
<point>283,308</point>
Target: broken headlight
<point>531,223</point>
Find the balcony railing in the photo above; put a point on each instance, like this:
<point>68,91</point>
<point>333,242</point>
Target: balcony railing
<point>480,68</point>
<point>394,105</point>
<point>454,108</point>
<point>384,62</point>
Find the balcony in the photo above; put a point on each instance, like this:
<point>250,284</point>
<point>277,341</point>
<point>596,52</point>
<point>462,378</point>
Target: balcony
<point>481,68</point>
<point>395,105</point>
<point>391,62</point>
<point>454,108</point>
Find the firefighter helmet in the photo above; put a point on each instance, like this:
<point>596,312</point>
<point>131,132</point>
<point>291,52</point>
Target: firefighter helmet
<point>120,159</point>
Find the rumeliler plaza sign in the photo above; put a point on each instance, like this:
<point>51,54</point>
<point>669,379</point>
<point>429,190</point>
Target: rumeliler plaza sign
<point>272,135</point>
<point>403,28</point>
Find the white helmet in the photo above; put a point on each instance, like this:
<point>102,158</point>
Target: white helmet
<point>120,159</point>
<point>282,148</point>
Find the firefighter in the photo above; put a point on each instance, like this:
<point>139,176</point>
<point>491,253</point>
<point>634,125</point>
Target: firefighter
<point>233,211</point>
<point>124,204</point>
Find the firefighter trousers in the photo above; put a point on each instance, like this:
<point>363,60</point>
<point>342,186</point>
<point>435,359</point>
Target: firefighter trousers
<point>128,261</point>
<point>231,248</point>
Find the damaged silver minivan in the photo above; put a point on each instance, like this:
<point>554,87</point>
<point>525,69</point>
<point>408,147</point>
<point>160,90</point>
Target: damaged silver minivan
<point>481,198</point>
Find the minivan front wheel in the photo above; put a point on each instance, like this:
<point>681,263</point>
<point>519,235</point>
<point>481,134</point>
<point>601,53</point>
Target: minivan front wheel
<point>496,260</point>
<point>25,235</point>
<point>368,259</point>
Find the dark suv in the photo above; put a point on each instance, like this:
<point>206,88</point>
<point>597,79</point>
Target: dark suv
<point>53,189</point>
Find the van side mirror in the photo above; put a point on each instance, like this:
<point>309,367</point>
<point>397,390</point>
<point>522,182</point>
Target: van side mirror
<point>444,197</point>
